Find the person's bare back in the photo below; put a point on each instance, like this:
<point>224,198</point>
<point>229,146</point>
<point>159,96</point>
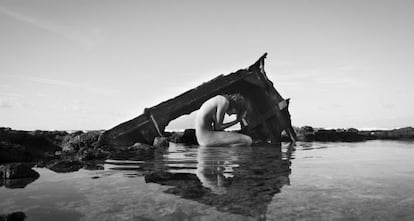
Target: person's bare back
<point>210,126</point>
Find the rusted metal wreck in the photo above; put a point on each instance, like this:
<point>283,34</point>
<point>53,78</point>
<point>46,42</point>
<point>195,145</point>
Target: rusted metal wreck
<point>267,118</point>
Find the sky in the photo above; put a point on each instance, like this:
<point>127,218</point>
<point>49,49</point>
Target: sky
<point>92,64</point>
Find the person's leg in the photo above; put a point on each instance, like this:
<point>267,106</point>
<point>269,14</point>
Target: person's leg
<point>223,138</point>
<point>244,140</point>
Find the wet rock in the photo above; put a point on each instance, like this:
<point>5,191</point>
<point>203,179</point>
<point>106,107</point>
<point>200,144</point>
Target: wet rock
<point>79,140</point>
<point>17,183</point>
<point>13,153</point>
<point>17,175</point>
<point>36,144</point>
<point>91,165</point>
<point>55,137</point>
<point>186,185</point>
<point>43,163</point>
<point>138,151</point>
<point>163,177</point>
<point>93,154</point>
<point>305,133</point>
<point>15,216</point>
<point>64,166</point>
<point>176,137</point>
<point>352,130</point>
<point>161,142</point>
<point>143,150</point>
<point>188,190</point>
<point>406,133</point>
<point>351,136</point>
<point>337,135</point>
<point>84,146</point>
<point>78,132</point>
<point>327,135</point>
<point>188,137</point>
<point>17,171</point>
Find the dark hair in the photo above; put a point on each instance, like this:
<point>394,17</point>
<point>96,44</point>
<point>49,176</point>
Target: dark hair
<point>237,101</point>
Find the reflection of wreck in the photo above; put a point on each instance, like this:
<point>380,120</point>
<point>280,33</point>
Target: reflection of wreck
<point>236,180</point>
<point>267,118</point>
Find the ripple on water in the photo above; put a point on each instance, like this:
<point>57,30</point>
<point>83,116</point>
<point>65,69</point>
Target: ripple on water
<point>329,181</point>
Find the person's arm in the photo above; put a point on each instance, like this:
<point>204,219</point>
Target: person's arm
<point>229,124</point>
<point>221,108</point>
<point>222,126</point>
<point>239,119</point>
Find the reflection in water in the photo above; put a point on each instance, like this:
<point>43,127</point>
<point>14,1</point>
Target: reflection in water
<point>240,180</point>
<point>215,166</point>
<point>344,181</point>
<point>17,183</point>
<point>237,180</point>
<point>15,216</point>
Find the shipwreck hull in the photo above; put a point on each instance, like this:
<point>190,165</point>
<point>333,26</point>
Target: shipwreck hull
<point>266,118</point>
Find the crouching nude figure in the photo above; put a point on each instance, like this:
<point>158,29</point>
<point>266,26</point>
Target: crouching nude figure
<point>209,121</point>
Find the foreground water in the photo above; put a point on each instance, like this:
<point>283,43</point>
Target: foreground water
<point>319,181</point>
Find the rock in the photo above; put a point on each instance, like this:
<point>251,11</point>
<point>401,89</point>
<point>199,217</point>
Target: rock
<point>91,165</point>
<point>13,153</point>
<point>396,134</point>
<point>190,190</point>
<point>142,150</point>
<point>176,137</point>
<point>17,183</point>
<point>351,136</point>
<point>94,154</point>
<point>78,132</point>
<point>306,133</point>
<point>189,137</point>
<point>161,142</point>
<point>16,171</point>
<point>79,140</point>
<point>84,146</point>
<point>15,216</point>
<point>67,146</point>
<point>352,130</point>
<point>326,135</point>
<point>186,185</point>
<point>162,177</point>
<point>55,137</point>
<point>64,166</point>
<point>340,135</point>
<point>36,144</point>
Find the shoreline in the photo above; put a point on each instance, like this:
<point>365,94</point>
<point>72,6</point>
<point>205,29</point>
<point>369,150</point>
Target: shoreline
<point>62,150</point>
<point>308,133</point>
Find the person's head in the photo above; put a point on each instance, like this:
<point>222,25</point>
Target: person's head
<point>237,104</point>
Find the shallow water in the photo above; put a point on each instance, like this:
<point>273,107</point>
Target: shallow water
<point>319,181</point>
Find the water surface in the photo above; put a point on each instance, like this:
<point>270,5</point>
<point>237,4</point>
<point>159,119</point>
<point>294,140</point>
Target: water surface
<point>319,181</point>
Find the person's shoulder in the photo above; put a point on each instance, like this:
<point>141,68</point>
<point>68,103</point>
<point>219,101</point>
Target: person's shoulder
<point>222,100</point>
<point>219,98</point>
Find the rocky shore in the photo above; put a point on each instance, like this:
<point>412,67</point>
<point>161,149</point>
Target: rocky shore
<point>62,152</point>
<point>308,134</point>
<point>258,180</point>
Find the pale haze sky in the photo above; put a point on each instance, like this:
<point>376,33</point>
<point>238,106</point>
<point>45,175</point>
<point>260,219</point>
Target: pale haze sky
<point>93,64</point>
